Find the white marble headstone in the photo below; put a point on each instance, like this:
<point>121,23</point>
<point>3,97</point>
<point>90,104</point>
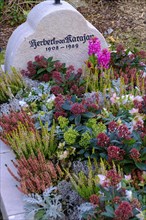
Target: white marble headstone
<point>51,30</point>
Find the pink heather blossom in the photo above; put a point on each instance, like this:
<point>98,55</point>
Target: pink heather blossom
<point>124,211</point>
<point>104,58</point>
<point>115,153</point>
<point>102,140</point>
<point>94,46</point>
<point>123,131</point>
<point>134,154</point>
<point>77,109</point>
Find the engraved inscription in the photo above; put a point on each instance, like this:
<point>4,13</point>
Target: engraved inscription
<point>70,42</point>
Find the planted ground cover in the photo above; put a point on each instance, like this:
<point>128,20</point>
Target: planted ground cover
<point>79,136</point>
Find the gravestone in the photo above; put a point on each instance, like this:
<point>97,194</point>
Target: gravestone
<point>57,30</point>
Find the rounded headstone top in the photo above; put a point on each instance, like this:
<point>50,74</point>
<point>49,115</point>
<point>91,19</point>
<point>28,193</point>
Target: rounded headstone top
<point>57,30</point>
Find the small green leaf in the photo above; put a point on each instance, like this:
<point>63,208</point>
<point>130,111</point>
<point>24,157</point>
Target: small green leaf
<point>141,166</point>
<point>77,119</point>
<point>66,106</point>
<point>89,115</point>
<point>107,214</point>
<point>50,59</point>
<point>40,71</point>
<point>82,151</point>
<point>50,69</point>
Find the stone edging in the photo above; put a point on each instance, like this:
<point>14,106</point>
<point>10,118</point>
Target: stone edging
<point>11,202</point>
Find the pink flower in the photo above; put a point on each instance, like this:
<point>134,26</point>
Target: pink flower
<point>102,140</point>
<point>60,113</point>
<point>77,90</point>
<point>104,58</point>
<point>138,124</point>
<point>77,109</point>
<point>120,48</point>
<point>124,211</point>
<point>57,77</point>
<point>123,131</point>
<point>115,153</point>
<point>112,126</point>
<point>59,100</point>
<point>94,199</point>
<point>134,154</point>
<point>56,90</point>
<point>69,71</point>
<point>133,111</point>
<point>94,46</point>
<point>113,99</point>
<point>113,177</point>
<point>138,98</point>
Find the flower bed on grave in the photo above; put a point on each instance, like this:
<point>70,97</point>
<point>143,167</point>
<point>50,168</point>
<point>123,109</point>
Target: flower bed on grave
<point>79,138</point>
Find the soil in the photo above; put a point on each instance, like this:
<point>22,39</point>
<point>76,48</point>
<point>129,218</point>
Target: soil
<point>124,20</point>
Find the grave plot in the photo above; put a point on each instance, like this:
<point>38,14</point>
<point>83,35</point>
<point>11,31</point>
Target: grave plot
<point>75,139</point>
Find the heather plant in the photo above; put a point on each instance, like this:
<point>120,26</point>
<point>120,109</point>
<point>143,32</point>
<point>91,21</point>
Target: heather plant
<point>97,73</point>
<point>26,142</point>
<point>9,123</point>
<point>87,184</point>
<point>45,206</point>
<point>10,85</point>
<point>35,174</point>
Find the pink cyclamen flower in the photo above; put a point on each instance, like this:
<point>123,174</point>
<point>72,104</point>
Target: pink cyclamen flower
<point>94,46</point>
<point>104,58</point>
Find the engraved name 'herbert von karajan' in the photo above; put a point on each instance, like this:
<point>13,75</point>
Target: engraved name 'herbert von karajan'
<point>68,39</point>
